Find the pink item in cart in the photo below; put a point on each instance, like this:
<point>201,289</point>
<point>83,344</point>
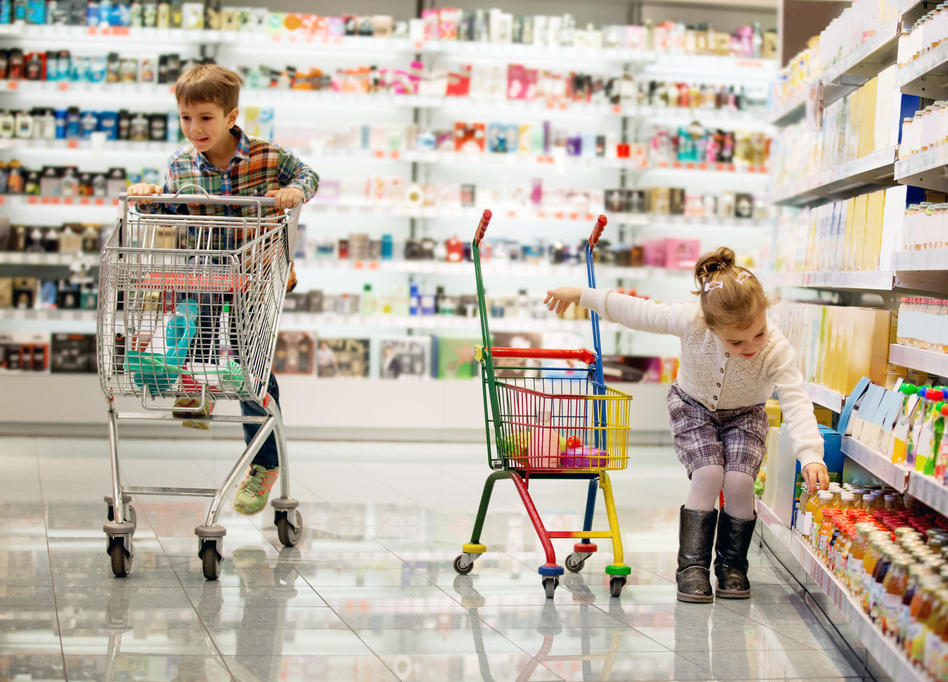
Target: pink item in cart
<point>586,457</point>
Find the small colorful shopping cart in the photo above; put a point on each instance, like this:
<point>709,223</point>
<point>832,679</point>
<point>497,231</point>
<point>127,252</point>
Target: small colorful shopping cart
<point>552,417</point>
<point>189,308</point>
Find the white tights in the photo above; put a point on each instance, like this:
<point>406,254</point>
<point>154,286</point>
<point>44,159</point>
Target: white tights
<point>738,487</point>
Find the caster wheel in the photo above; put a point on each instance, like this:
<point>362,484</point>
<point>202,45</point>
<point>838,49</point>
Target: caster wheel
<point>289,536</point>
<point>121,559</point>
<point>574,564</point>
<point>616,585</point>
<point>461,567</point>
<point>549,586</point>
<point>211,561</point>
<point>131,516</point>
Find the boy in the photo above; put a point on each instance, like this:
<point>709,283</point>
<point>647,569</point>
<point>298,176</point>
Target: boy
<point>222,160</point>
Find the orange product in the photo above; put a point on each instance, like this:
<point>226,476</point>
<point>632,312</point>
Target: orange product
<point>893,587</point>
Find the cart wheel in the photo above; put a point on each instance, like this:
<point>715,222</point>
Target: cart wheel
<point>461,567</point>
<point>121,558</point>
<point>549,585</point>
<point>211,561</point>
<point>289,536</point>
<point>616,585</point>
<point>573,563</point>
<point>131,517</point>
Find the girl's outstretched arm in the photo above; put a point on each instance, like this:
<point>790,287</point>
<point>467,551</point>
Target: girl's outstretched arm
<point>560,298</point>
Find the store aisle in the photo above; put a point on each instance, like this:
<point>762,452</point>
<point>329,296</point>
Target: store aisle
<point>370,594</point>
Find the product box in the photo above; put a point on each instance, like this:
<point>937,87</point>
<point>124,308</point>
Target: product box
<point>342,358</point>
<point>24,352</point>
<point>73,354</point>
<point>456,358</point>
<point>406,357</point>
<point>682,254</point>
<point>294,352</point>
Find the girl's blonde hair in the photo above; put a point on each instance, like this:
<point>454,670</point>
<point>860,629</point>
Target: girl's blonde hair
<point>731,297</point>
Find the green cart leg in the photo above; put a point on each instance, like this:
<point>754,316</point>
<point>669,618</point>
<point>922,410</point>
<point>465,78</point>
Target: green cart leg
<point>465,562</point>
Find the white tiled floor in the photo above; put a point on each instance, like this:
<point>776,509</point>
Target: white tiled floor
<point>370,593</point>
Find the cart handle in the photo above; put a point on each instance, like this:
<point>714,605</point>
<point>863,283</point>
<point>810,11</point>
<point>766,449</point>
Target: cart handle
<point>482,226</point>
<point>597,231</point>
<point>583,355</point>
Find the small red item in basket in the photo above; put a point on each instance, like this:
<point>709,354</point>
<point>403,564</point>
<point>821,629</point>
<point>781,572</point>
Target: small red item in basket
<point>573,442</point>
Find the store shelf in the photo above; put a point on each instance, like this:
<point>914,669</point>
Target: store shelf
<point>119,147</point>
<point>929,491</point>
<point>51,314</point>
<point>927,76</point>
<point>46,259</point>
<point>491,267</point>
<point>923,360</point>
<point>876,464</point>
<point>925,169</point>
<point>875,169</point>
<point>882,649</point>
<point>750,121</point>
<point>77,202</point>
<point>866,281</point>
<point>792,110</point>
<point>126,36</point>
<point>921,270</point>
<point>862,64</point>
<point>824,396</point>
<point>468,50</point>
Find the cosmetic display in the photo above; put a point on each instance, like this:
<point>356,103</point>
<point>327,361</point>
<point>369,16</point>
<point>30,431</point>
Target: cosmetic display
<point>836,346</point>
<point>62,66</point>
<point>856,235</point>
<point>75,123</point>
<point>68,238</point>
<point>69,181</point>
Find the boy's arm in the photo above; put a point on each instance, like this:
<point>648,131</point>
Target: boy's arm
<point>639,313</point>
<point>795,404</point>
<point>295,174</point>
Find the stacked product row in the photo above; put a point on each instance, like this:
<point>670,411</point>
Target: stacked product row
<point>67,181</point>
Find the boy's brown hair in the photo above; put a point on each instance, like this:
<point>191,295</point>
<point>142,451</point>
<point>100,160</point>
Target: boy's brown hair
<point>209,83</point>
<point>731,297</point>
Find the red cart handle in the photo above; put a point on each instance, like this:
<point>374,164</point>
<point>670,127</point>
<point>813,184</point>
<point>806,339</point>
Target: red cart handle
<point>482,226</point>
<point>583,355</point>
<point>597,231</point>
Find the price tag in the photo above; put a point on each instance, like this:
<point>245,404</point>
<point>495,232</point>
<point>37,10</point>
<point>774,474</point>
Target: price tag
<point>64,86</point>
<point>703,166</point>
<point>663,164</point>
<point>617,108</point>
<point>558,215</point>
<point>589,216</point>
<point>574,216</point>
<point>373,265</point>
<point>93,30</point>
<point>379,154</point>
<point>419,45</point>
<point>357,265</point>
<point>511,214</point>
<point>120,31</point>
<point>278,38</point>
<point>84,201</point>
<point>690,165</point>
<point>676,165</point>
<point>72,144</point>
<point>99,201</point>
<point>396,154</point>
<point>3,200</point>
<point>32,200</point>
<point>541,214</point>
<point>291,38</point>
<point>13,85</point>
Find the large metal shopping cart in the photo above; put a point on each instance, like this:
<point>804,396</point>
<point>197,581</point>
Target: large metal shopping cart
<point>189,308</point>
<point>553,421</point>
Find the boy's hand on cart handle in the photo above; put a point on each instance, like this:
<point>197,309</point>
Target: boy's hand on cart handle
<point>816,476</point>
<point>559,299</point>
<point>287,197</point>
<point>144,189</point>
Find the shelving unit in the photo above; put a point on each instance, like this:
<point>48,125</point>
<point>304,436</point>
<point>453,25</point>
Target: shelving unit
<point>923,360</point>
<point>841,182</point>
<point>876,464</point>
<point>929,491</point>
<point>924,169</point>
<point>864,63</point>
<point>867,281</point>
<point>927,76</point>
<point>922,270</point>
<point>882,648</point>
<point>826,397</point>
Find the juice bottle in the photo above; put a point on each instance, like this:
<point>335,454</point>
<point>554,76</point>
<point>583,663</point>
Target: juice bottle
<point>869,562</point>
<point>893,587</point>
<point>837,491</point>
<point>877,589</point>
<point>919,611</point>
<point>916,573</point>
<point>826,532</point>
<point>812,504</point>
<point>826,499</point>
<point>857,552</point>
<point>931,658</point>
<point>840,552</point>
<point>859,494</point>
<point>801,507</point>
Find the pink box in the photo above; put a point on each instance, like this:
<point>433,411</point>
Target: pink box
<point>654,252</point>
<point>584,458</point>
<point>682,254</point>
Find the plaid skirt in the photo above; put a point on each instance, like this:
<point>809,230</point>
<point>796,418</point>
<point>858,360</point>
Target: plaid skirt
<point>735,439</point>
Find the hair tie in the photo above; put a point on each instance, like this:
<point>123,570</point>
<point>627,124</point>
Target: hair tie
<point>708,286</point>
<point>741,278</point>
<point>713,267</point>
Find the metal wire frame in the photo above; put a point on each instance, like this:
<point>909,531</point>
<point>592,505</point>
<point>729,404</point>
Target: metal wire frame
<point>177,318</point>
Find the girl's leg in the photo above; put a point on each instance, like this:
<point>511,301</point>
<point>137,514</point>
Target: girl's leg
<point>696,535</point>
<point>738,495</point>
<point>706,483</point>
<point>735,534</point>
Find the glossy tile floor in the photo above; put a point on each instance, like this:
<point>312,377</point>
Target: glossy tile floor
<point>370,593</point>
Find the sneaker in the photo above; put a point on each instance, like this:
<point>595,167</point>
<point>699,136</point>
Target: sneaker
<point>254,568</point>
<point>254,490</point>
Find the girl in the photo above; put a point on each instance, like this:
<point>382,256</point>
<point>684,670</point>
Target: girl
<point>732,359</point>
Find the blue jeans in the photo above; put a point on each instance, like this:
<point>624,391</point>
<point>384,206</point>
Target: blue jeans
<point>267,457</point>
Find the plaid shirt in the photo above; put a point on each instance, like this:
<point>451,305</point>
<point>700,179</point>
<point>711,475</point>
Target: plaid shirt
<point>257,167</point>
